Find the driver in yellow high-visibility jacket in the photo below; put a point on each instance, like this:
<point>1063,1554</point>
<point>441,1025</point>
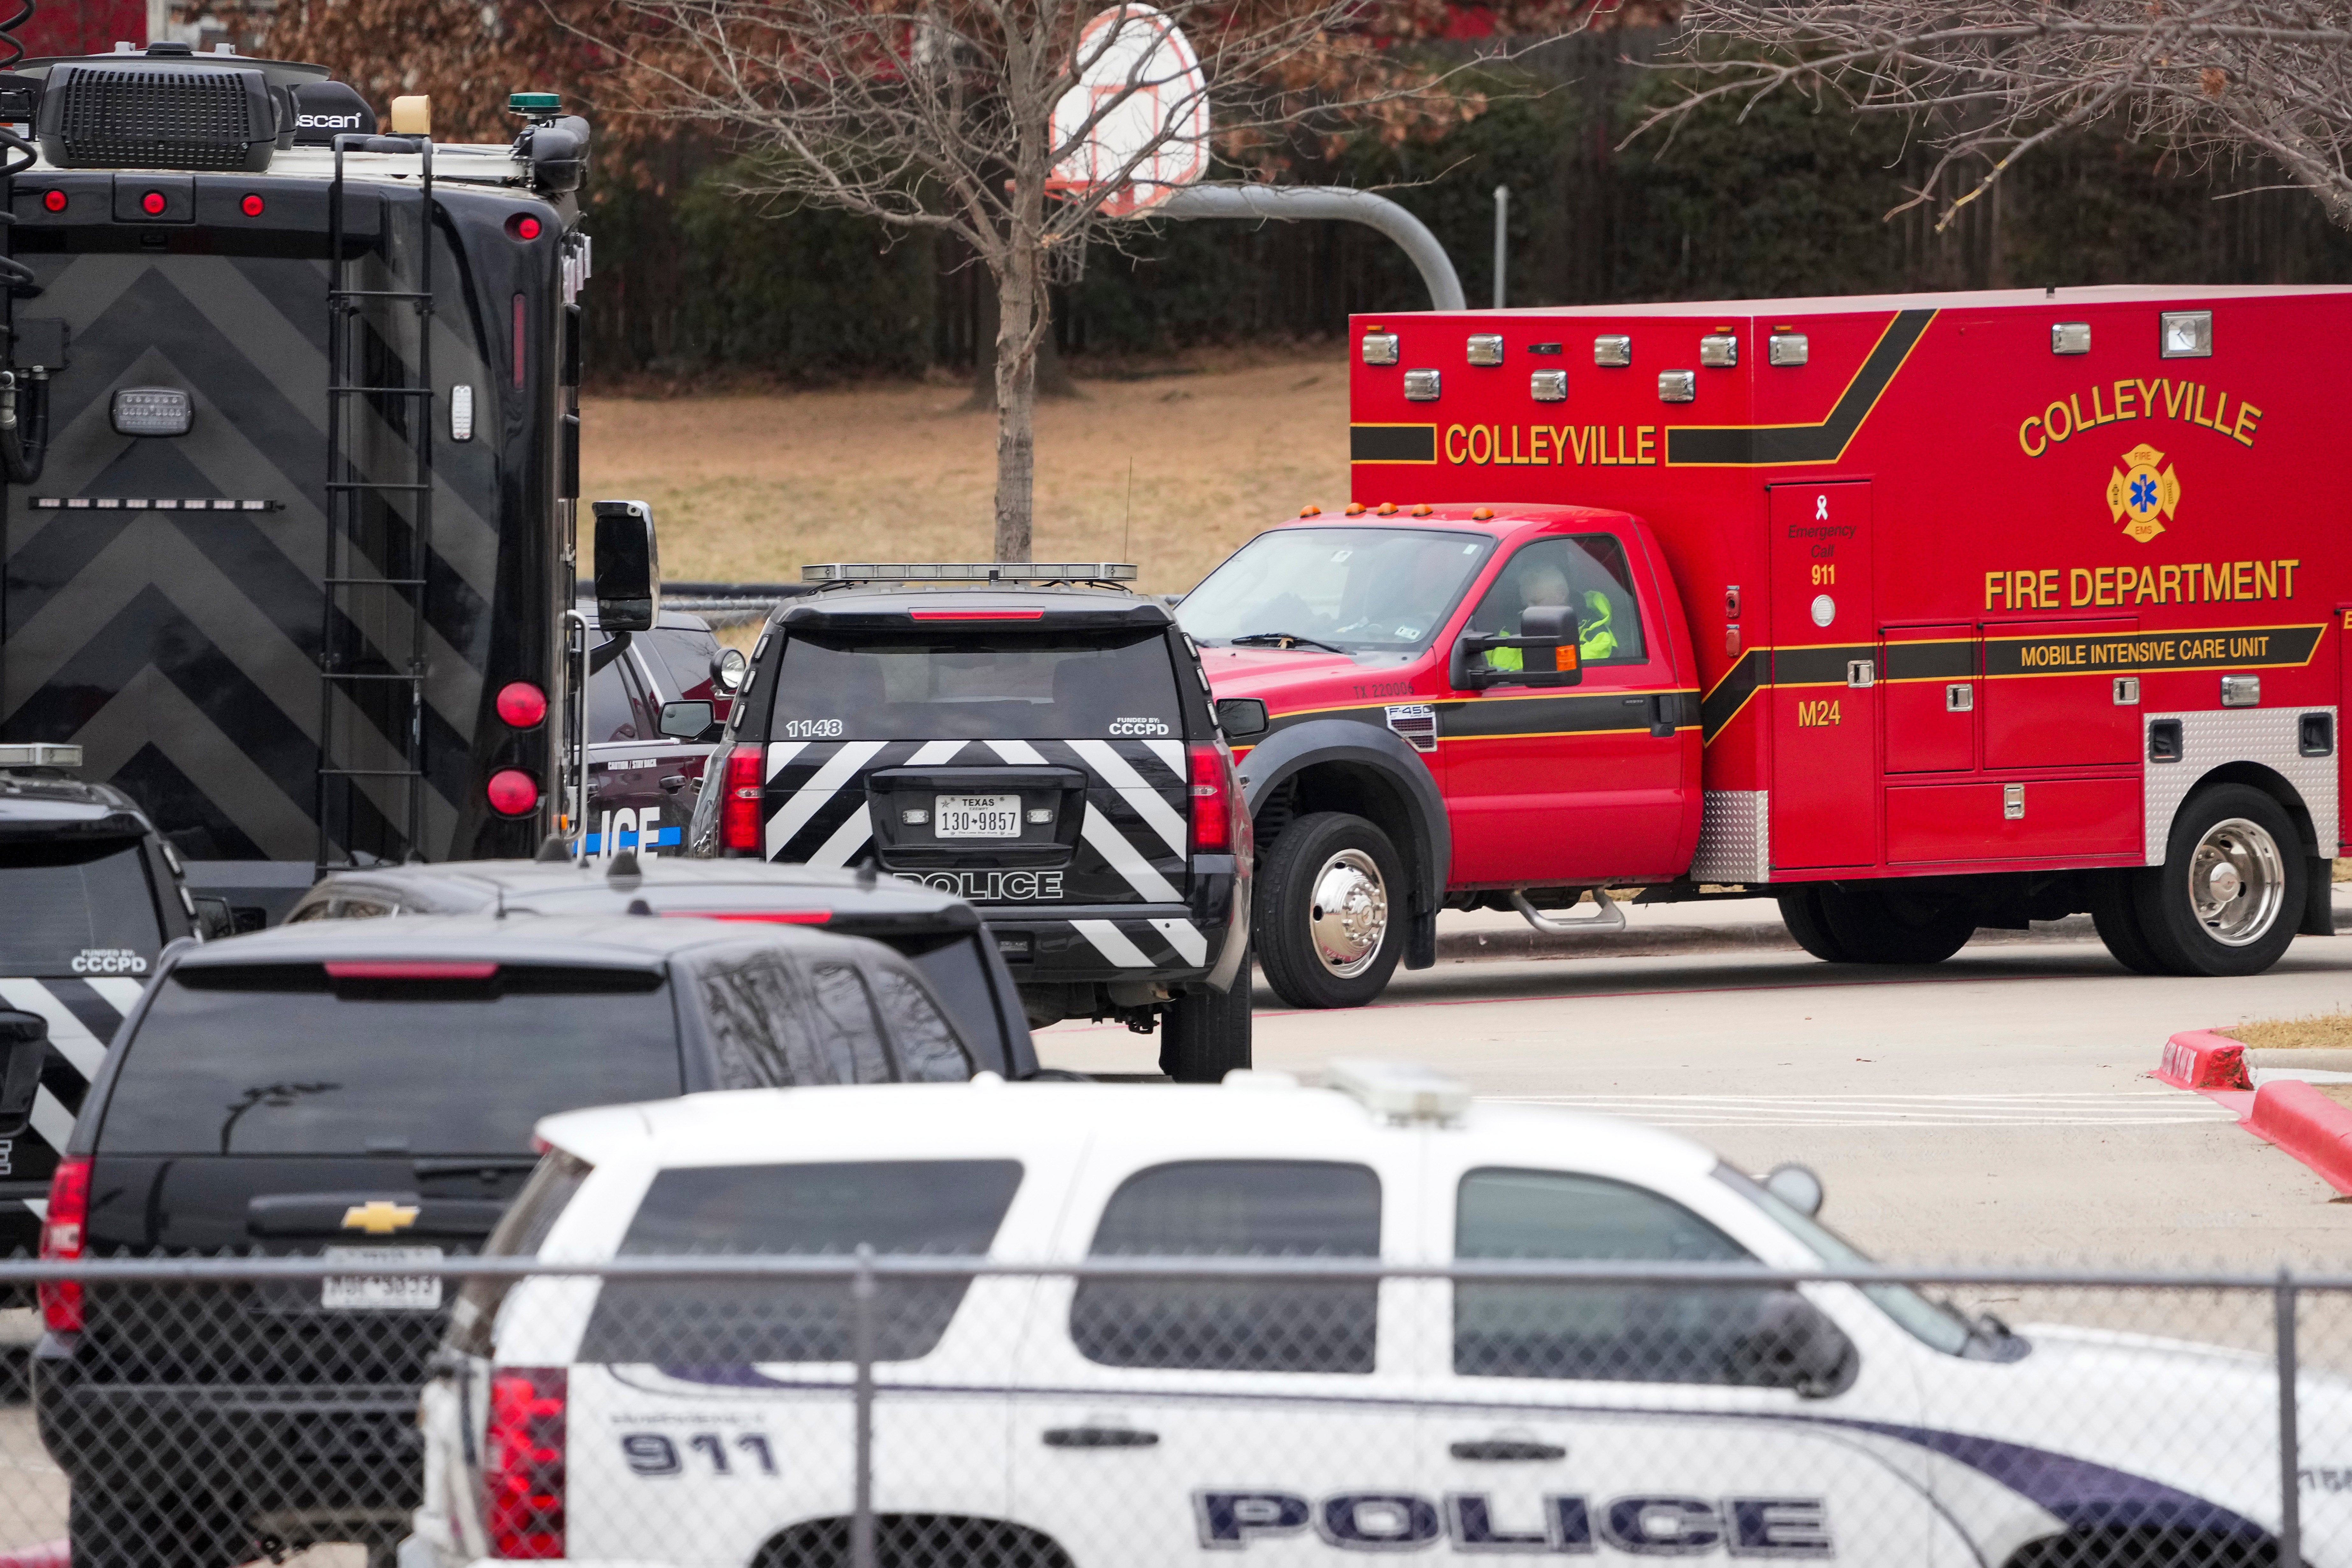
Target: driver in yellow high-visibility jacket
<point>1547,584</point>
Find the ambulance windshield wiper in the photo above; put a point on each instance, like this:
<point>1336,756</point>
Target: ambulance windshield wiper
<point>1282,640</point>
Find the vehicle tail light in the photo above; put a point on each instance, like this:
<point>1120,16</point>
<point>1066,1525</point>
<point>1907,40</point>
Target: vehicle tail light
<point>1213,804</point>
<point>739,811</point>
<point>406,969</point>
<point>523,1471</point>
<point>521,705</point>
<point>512,792</point>
<point>64,1234</point>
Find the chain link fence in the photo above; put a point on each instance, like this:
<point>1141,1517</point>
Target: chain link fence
<point>788,1412</point>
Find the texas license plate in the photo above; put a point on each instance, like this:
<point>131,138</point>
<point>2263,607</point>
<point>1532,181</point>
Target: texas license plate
<point>381,1292</point>
<point>976,815</point>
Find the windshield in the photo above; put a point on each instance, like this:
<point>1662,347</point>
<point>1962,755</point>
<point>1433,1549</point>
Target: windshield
<point>1360,590</point>
<point>77,909</point>
<point>963,685</point>
<point>1931,1324</point>
<point>267,1059</point>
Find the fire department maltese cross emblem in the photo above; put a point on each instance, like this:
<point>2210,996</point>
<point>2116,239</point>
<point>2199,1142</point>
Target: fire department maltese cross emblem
<point>2141,490</point>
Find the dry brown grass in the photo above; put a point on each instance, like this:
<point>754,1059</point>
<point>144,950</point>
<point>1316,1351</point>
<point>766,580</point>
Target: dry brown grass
<point>2341,1093</point>
<point>2322,1031</point>
<point>747,488</point>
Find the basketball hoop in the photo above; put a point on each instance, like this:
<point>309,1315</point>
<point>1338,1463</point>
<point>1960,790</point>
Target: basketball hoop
<point>1137,72</point>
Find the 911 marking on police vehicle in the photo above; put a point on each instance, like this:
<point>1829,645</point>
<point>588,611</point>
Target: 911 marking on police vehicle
<point>1658,1525</point>
<point>714,1454</point>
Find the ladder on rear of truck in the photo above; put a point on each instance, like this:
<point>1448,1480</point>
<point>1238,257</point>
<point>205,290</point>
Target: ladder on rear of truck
<point>372,644</point>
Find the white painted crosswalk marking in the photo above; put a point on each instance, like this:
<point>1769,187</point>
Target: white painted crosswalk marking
<point>2135,1108</point>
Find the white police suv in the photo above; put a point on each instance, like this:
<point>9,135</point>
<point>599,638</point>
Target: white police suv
<point>1030,1420</point>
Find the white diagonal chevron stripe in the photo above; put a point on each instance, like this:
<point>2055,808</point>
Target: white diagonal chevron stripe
<point>1172,754</point>
<point>781,753</point>
<point>120,995</point>
<point>809,798</point>
<point>1111,844</point>
<point>1112,943</point>
<point>1146,801</point>
<point>51,1120</point>
<point>1186,938</point>
<point>846,840</point>
<point>936,753</point>
<point>1020,754</point>
<point>69,1034</point>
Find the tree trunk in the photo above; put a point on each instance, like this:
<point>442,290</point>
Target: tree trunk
<point>1020,303</point>
<point>1053,371</point>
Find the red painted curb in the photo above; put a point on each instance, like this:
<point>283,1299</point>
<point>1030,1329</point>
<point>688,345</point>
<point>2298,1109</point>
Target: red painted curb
<point>47,1554</point>
<point>2198,1058</point>
<point>2308,1125</point>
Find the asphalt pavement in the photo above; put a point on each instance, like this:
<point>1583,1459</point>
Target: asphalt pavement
<point>1993,1108</point>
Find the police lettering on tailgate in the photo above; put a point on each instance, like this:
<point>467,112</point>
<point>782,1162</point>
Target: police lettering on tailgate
<point>994,887</point>
<point>1659,1524</point>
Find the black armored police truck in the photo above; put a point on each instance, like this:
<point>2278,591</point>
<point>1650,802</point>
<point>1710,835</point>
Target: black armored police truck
<point>288,420</point>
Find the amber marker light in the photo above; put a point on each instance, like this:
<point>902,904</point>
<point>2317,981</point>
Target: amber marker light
<point>1482,514</point>
<point>1386,509</point>
<point>1310,510</point>
<point>1424,510</point>
<point>1355,509</point>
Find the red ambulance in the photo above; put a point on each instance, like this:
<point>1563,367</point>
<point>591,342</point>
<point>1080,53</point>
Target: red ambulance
<point>1918,613</point>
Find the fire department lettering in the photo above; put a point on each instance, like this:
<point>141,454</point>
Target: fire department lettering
<point>2195,583</point>
<point>1644,1525</point>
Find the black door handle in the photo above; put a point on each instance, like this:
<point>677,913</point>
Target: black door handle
<point>673,782</point>
<point>1661,724</point>
<point>1499,1449</point>
<point>1099,1437</point>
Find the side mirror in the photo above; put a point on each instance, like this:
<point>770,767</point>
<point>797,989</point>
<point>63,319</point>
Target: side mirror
<point>214,919</point>
<point>727,668</point>
<point>1242,718</point>
<point>1794,1345</point>
<point>24,1042</point>
<point>1543,654</point>
<point>685,720</point>
<point>1797,1186</point>
<point>628,568</point>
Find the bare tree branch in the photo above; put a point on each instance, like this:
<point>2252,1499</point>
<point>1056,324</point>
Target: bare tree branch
<point>1987,82</point>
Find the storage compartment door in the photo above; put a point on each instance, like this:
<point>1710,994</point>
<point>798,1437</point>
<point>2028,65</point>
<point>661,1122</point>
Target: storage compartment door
<point>1927,696</point>
<point>1824,678</point>
<point>2011,821</point>
<point>2062,693</point>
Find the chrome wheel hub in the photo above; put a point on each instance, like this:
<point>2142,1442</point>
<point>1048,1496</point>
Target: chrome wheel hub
<point>1348,918</point>
<point>2237,881</point>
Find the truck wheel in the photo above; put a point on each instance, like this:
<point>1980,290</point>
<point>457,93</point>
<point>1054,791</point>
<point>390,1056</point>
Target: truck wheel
<point>2230,891</point>
<point>1800,911</point>
<point>1892,925</point>
<point>2115,914</point>
<point>1327,924</point>
<point>1206,1035</point>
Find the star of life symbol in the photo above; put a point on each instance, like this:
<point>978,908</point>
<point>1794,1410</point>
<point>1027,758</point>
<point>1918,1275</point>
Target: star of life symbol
<point>2141,491</point>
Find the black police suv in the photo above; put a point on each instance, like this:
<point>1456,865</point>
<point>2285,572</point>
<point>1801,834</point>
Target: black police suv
<point>89,894</point>
<point>1042,746</point>
<point>940,934</point>
<point>373,1085</point>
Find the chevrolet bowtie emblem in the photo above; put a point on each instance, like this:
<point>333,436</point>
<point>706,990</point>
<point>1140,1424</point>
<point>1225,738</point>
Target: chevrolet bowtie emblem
<point>378,1217</point>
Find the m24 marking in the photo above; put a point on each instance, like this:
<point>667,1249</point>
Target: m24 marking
<point>1817,714</point>
<point>1646,1524</point>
